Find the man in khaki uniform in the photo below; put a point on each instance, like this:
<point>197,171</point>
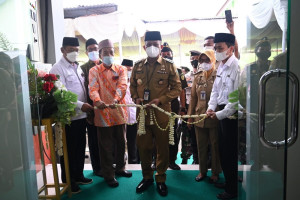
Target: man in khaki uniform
<point>154,80</point>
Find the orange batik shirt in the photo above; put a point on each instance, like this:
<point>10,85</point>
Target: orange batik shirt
<point>106,85</point>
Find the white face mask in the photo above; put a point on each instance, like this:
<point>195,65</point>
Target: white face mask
<point>221,56</point>
<point>72,57</point>
<point>108,60</point>
<point>205,66</point>
<point>94,55</point>
<point>209,48</point>
<point>152,51</point>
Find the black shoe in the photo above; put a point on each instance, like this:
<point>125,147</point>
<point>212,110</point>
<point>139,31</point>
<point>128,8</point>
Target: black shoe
<point>84,181</point>
<point>124,173</point>
<point>225,195</point>
<point>98,173</point>
<point>200,178</point>
<point>220,185</point>
<point>75,188</point>
<point>174,166</point>
<point>112,183</point>
<point>162,189</point>
<point>143,185</point>
<point>153,166</point>
<point>184,161</point>
<point>195,162</point>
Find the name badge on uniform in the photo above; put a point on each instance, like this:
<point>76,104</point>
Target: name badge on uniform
<point>146,94</point>
<point>203,95</point>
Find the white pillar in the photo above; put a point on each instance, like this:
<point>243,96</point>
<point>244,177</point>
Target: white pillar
<point>120,51</point>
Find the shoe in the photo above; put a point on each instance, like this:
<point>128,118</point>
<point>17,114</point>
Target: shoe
<point>143,185</point>
<point>84,181</point>
<point>98,173</point>
<point>195,162</point>
<point>213,179</point>
<point>75,188</point>
<point>162,189</point>
<point>184,161</point>
<point>225,195</point>
<point>220,185</point>
<point>112,183</point>
<point>200,178</point>
<point>174,166</point>
<point>124,173</point>
<point>153,166</point>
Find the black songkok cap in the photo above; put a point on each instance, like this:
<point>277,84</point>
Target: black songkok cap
<point>166,47</point>
<point>90,42</point>
<point>185,68</point>
<point>152,35</point>
<point>128,63</point>
<point>70,41</point>
<point>195,53</point>
<point>224,37</point>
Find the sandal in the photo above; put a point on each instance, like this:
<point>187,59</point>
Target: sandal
<point>214,179</point>
<point>200,177</point>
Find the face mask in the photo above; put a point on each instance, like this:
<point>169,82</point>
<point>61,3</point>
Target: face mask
<point>94,55</point>
<point>194,63</point>
<point>170,58</point>
<point>205,66</point>
<point>263,54</point>
<point>152,51</point>
<point>209,48</point>
<point>72,57</point>
<point>108,60</point>
<point>221,56</point>
<point>129,74</point>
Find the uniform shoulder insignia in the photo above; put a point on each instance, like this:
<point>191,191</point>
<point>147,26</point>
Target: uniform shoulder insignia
<point>139,61</point>
<point>198,72</point>
<point>168,60</point>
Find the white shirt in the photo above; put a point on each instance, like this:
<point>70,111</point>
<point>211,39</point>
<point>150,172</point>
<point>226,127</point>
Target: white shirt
<point>72,77</point>
<point>131,111</point>
<point>227,81</point>
<point>188,90</point>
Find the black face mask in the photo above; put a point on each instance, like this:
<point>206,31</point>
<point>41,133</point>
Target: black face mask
<point>170,58</point>
<point>194,63</point>
<point>263,54</point>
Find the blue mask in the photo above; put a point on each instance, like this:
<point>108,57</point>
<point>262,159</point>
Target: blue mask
<point>94,55</point>
<point>108,60</point>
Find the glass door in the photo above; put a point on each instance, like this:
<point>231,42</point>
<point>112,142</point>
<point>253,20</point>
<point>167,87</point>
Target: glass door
<point>269,94</point>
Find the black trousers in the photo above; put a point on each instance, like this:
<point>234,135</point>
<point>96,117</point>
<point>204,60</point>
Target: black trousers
<point>76,141</point>
<point>193,143</point>
<point>93,147</point>
<point>228,141</point>
<point>131,132</point>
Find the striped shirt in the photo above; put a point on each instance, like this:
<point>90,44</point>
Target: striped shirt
<point>108,85</point>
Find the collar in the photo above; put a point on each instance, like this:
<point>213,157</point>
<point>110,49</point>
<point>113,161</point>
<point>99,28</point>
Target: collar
<point>102,68</point>
<point>228,62</point>
<point>66,63</point>
<point>159,60</point>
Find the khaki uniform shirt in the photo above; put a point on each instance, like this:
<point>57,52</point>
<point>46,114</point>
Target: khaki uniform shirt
<point>86,68</point>
<point>162,79</point>
<point>201,90</point>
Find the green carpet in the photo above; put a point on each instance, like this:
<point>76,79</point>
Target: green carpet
<point>181,185</point>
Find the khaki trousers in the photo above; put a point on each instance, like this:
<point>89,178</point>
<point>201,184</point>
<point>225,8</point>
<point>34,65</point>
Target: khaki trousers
<point>205,136</point>
<point>145,147</point>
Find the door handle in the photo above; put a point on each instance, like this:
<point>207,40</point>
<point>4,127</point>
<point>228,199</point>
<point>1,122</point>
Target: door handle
<point>262,106</point>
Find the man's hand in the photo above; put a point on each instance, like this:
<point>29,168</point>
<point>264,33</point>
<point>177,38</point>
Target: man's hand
<point>100,105</point>
<point>113,105</point>
<point>154,101</point>
<point>209,112</point>
<point>230,27</point>
<point>213,115</point>
<point>87,108</point>
<point>138,101</point>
